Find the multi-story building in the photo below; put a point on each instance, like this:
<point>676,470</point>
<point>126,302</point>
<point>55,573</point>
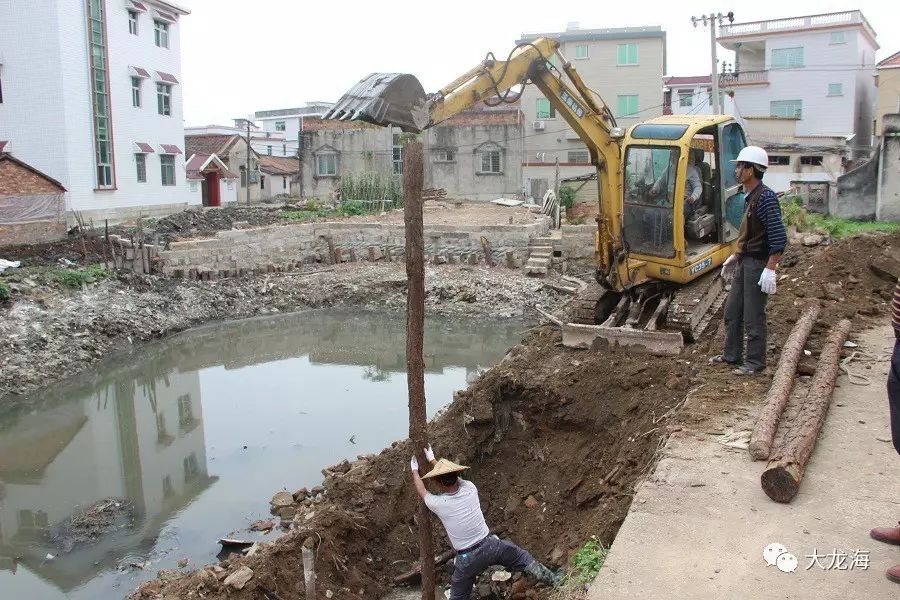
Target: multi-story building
<point>624,66</point>
<point>888,82</point>
<point>91,96</point>
<point>692,95</point>
<point>805,89</point>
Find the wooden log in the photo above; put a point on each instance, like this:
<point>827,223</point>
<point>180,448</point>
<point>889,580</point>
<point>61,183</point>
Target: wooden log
<point>782,384</point>
<point>416,572</point>
<point>486,247</point>
<point>784,472</point>
<point>413,178</point>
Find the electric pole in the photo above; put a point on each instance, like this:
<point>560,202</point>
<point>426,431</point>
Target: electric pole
<point>711,21</point>
<point>248,160</point>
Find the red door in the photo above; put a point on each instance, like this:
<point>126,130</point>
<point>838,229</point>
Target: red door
<point>212,186</point>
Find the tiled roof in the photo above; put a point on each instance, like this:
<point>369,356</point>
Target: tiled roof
<point>11,158</point>
<point>3,144</point>
<point>140,72</point>
<point>195,165</point>
<point>170,149</point>
<point>310,124</point>
<point>278,165</point>
<point>217,144</point>
<point>144,147</point>
<point>891,61</point>
<point>484,117</point>
<point>676,81</point>
<point>167,77</point>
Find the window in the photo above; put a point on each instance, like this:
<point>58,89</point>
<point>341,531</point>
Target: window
<point>269,150</point>
<point>136,92</point>
<point>579,156</point>
<point>837,37</point>
<point>628,106</point>
<point>685,98</point>
<point>786,58</point>
<point>164,99</point>
<point>100,94</point>
<point>161,33</point>
<point>243,170</point>
<point>626,54</point>
<point>284,149</point>
<point>284,184</point>
<point>185,411</point>
<point>191,467</point>
<point>650,175</point>
<point>581,51</point>
<point>167,168</point>
<point>490,162</point>
<point>132,22</point>
<point>326,164</point>
<point>444,156</point>
<point>262,182</point>
<point>835,89</point>
<point>397,154</point>
<point>782,161</point>
<point>140,162</point>
<point>544,109</point>
<point>786,108</point>
<point>279,125</point>
<point>811,161</point>
<point>168,490</point>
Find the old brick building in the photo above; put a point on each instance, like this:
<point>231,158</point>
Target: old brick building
<point>32,205</point>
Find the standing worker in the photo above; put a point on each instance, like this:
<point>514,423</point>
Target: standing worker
<point>751,269</point>
<point>891,535</point>
<point>458,508</point>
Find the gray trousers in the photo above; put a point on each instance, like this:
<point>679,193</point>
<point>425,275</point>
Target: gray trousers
<point>492,551</point>
<point>745,313</point>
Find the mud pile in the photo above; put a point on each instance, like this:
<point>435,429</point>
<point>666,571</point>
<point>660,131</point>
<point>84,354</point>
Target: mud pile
<point>556,438</point>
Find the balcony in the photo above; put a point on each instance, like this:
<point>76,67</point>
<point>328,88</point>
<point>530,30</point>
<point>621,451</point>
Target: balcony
<point>761,28</point>
<point>743,79</point>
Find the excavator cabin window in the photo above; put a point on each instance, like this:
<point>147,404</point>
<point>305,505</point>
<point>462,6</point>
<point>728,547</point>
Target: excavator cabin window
<point>650,174</point>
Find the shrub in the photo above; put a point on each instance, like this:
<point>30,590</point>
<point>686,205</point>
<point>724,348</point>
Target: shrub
<point>76,278</point>
<point>588,561</point>
<point>352,209</point>
<point>5,292</point>
<point>566,196</point>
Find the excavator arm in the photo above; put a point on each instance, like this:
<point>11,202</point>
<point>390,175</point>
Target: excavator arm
<point>399,100</point>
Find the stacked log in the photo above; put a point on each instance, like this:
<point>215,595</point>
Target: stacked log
<point>434,194</point>
<point>784,472</point>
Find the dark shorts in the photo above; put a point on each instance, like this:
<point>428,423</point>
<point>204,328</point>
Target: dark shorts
<point>491,551</point>
<point>893,389</point>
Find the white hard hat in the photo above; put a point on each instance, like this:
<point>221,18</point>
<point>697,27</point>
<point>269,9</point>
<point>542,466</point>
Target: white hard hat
<point>755,155</point>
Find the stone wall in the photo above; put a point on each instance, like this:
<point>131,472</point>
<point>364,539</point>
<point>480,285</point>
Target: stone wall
<point>578,241</point>
<point>856,193</point>
<point>285,247</point>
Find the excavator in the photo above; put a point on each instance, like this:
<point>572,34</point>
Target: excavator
<point>656,284</point>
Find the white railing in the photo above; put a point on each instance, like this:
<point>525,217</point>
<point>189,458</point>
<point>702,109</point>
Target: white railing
<point>841,18</point>
<point>743,78</point>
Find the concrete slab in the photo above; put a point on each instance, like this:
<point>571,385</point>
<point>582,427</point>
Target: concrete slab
<point>697,528</point>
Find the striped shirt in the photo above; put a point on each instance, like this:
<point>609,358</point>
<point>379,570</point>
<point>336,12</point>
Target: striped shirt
<point>895,308</point>
<point>769,212</point>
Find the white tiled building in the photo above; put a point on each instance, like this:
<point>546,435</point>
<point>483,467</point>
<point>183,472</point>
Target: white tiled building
<point>92,97</point>
<point>805,88</point>
<point>692,95</point>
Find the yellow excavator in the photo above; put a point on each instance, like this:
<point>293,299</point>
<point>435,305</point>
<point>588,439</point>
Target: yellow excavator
<point>656,256</point>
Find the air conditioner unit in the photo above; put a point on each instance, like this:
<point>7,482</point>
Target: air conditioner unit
<point>539,125</point>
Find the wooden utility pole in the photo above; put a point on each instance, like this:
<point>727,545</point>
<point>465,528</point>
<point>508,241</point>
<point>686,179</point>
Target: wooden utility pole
<point>248,160</point>
<point>413,179</point>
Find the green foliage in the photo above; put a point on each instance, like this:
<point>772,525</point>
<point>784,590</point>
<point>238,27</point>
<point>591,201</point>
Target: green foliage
<point>588,561</point>
<point>796,215</point>
<point>352,209</point>
<point>576,221</point>
<point>566,196</point>
<point>5,292</point>
<point>373,189</point>
<point>76,278</point>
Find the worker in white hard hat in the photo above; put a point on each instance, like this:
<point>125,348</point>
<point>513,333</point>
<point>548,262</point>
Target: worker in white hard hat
<point>752,268</point>
<point>457,506</point>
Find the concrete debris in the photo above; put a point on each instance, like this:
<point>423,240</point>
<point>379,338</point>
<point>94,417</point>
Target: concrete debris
<point>812,240</point>
<point>9,264</point>
<point>239,578</point>
<point>262,525</point>
<point>282,499</point>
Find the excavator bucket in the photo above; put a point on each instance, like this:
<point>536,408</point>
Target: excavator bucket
<point>384,99</point>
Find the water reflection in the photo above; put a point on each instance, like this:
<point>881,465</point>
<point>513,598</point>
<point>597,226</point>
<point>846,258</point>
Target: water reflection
<point>197,432</point>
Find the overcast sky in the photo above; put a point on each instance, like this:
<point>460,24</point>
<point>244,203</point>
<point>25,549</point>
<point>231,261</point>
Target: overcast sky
<point>239,56</point>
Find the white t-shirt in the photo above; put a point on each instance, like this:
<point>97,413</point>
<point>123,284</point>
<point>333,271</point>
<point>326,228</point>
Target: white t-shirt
<point>461,515</point>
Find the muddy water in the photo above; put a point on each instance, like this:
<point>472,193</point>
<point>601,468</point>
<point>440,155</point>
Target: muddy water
<point>198,432</point>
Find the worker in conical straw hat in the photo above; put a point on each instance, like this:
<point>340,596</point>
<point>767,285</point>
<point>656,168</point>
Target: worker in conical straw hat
<point>457,505</point>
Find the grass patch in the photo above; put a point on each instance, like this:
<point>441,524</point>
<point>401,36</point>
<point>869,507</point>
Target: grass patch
<point>76,278</point>
<point>5,292</point>
<point>304,215</point>
<point>794,214</point>
<point>586,564</point>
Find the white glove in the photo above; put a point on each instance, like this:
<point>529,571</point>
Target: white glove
<point>728,267</point>
<point>429,454</point>
<point>767,281</point>
<point>414,464</point>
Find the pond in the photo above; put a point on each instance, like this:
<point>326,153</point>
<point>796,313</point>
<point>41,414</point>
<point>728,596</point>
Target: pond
<point>195,435</point>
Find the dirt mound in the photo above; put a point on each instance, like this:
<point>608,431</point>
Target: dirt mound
<point>200,222</point>
<point>556,439</point>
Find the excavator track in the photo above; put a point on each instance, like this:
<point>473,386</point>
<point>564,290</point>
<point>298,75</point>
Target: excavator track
<point>694,305</point>
<point>584,305</point>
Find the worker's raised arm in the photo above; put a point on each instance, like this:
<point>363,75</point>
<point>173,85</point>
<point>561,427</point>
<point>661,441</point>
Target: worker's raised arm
<point>417,481</point>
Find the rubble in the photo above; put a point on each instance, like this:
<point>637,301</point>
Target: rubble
<point>239,578</point>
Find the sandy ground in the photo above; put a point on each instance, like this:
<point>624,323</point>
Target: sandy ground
<point>698,526</point>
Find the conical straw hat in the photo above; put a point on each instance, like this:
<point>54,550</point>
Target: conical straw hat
<point>443,467</point>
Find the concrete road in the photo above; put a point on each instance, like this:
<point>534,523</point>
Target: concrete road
<point>698,526</point>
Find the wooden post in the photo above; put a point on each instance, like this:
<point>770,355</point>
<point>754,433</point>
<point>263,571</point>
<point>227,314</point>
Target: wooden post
<point>309,572</point>
<point>782,384</point>
<point>782,477</point>
<point>413,178</point>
